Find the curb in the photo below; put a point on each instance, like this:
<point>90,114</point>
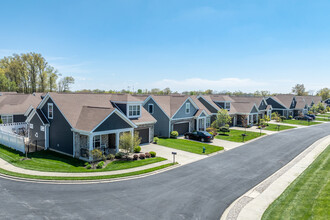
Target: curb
<point>72,182</point>
<point>253,203</point>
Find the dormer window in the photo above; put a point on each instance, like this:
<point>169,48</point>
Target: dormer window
<point>227,105</point>
<point>134,111</point>
<point>151,108</point>
<point>187,108</point>
<point>50,110</point>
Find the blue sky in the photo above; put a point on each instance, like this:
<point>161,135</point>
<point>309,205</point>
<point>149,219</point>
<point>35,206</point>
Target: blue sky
<point>185,45</point>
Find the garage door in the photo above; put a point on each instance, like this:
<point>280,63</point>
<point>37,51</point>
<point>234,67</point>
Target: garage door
<point>181,128</point>
<point>144,135</point>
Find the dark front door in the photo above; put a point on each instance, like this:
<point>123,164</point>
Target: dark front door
<point>144,135</point>
<point>181,128</point>
<point>112,141</point>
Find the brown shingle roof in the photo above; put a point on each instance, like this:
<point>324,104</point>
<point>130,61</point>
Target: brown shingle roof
<point>284,99</point>
<point>18,103</point>
<point>200,105</point>
<point>170,103</point>
<point>241,107</point>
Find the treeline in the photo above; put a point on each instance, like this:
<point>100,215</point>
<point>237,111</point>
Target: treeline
<point>29,73</point>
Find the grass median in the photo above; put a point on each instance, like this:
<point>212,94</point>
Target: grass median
<point>308,196</point>
<point>9,173</point>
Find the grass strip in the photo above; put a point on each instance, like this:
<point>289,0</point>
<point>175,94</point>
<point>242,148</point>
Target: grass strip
<point>9,173</point>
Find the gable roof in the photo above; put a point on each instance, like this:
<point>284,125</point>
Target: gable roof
<point>242,107</point>
<point>284,99</point>
<point>170,104</point>
<point>200,106</point>
<point>16,103</point>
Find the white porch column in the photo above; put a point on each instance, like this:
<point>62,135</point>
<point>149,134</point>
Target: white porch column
<point>204,124</point>
<point>117,142</point>
<point>197,126</point>
<point>90,141</point>
<point>257,117</point>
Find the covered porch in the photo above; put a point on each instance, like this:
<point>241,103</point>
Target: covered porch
<point>106,141</point>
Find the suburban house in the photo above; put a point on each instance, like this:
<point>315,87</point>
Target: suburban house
<point>177,113</point>
<point>74,124</point>
<point>242,110</point>
<point>291,105</point>
<point>327,102</point>
<point>15,108</point>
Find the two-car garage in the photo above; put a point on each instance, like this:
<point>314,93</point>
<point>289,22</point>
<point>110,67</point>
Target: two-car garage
<point>181,128</point>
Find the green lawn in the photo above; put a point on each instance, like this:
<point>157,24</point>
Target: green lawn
<point>54,162</point>
<point>300,122</point>
<point>308,197</point>
<point>322,119</point>
<point>9,173</point>
<point>187,145</point>
<point>236,135</point>
<point>323,115</point>
<point>273,127</point>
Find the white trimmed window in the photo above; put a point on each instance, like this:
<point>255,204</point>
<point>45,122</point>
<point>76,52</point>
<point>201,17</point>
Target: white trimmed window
<point>151,108</point>
<point>42,128</point>
<point>97,141</point>
<point>134,111</point>
<point>6,119</point>
<point>187,108</point>
<point>31,126</point>
<point>50,110</point>
<point>208,122</point>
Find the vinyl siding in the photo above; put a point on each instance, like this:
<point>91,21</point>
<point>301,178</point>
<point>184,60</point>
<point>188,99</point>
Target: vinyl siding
<point>274,104</point>
<point>182,111</point>
<point>19,118</point>
<point>35,131</point>
<point>207,105</point>
<point>60,134</point>
<point>114,122</point>
<point>161,128</point>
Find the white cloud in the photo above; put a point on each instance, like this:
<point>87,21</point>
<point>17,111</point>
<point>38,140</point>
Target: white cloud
<point>230,84</point>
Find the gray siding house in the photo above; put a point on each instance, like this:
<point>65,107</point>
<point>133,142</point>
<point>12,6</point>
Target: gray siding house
<point>78,123</point>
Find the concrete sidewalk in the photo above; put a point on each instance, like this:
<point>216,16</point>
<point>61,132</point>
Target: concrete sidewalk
<point>253,204</point>
<point>7,166</point>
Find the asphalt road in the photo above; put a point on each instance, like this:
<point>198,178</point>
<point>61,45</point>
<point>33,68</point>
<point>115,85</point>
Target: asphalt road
<point>200,190</point>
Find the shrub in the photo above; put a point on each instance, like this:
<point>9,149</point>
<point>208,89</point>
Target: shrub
<point>282,118</point>
<point>100,165</point>
<point>152,153</point>
<point>104,158</point>
<point>137,149</point>
<point>88,166</point>
<point>211,133</point>
<point>142,156</point>
<point>174,134</point>
<point>119,155</point>
<point>135,157</point>
<point>224,129</point>
<point>290,117</point>
<point>156,139</point>
<point>147,155</point>
<point>111,157</point>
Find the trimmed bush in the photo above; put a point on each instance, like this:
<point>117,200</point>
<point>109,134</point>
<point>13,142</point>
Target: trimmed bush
<point>100,165</point>
<point>137,149</point>
<point>152,153</point>
<point>174,134</point>
<point>224,129</point>
<point>147,155</point>
<point>111,157</point>
<point>282,118</point>
<point>104,158</point>
<point>142,156</point>
<point>135,157</point>
<point>156,139</point>
<point>119,155</point>
<point>88,166</point>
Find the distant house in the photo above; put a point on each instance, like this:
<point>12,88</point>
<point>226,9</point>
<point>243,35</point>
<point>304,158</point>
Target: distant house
<point>327,102</point>
<point>75,124</point>
<point>177,113</point>
<point>15,107</point>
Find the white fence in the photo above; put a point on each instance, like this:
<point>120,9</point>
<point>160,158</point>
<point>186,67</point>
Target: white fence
<point>14,141</point>
<point>14,128</point>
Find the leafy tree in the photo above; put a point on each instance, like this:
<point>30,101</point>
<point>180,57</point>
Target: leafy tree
<point>65,83</point>
<point>222,119</point>
<point>324,93</point>
<point>126,143</point>
<point>167,91</point>
<point>299,89</point>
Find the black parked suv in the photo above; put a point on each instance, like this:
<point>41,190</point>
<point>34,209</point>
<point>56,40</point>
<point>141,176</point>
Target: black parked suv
<point>199,136</point>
